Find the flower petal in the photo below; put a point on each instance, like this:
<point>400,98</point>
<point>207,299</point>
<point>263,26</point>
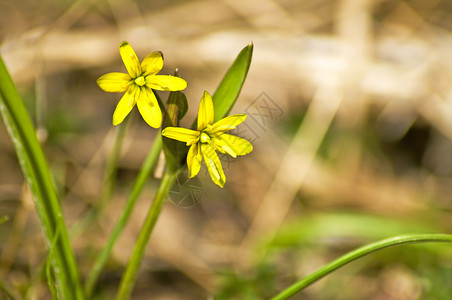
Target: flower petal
<point>125,105</point>
<point>213,164</point>
<point>114,82</point>
<point>194,158</point>
<point>231,144</point>
<point>152,64</point>
<point>228,123</point>
<point>205,111</point>
<point>165,83</point>
<point>130,60</point>
<point>149,108</point>
<point>181,134</point>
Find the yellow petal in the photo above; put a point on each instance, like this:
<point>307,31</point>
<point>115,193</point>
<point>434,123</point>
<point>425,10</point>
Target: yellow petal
<point>181,134</point>
<point>125,105</point>
<point>149,108</point>
<point>213,164</point>
<point>114,82</point>
<point>194,158</point>
<point>231,144</point>
<point>228,123</point>
<point>130,60</point>
<point>152,64</point>
<point>205,111</point>
<point>165,83</point>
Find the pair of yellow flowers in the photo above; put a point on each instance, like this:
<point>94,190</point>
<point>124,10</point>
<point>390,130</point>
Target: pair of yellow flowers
<point>209,137</point>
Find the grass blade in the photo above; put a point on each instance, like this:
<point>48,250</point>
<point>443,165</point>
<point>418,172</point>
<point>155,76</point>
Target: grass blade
<point>37,174</point>
<point>230,86</point>
<point>108,185</point>
<point>6,291</point>
<point>358,253</point>
<point>138,186</point>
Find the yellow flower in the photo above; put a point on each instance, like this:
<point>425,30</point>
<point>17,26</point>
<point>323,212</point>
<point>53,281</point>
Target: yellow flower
<point>138,85</point>
<point>209,138</point>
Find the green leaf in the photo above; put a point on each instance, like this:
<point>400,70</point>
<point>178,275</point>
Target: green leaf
<point>9,294</point>
<point>230,86</point>
<point>179,100</point>
<point>339,225</point>
<point>37,173</point>
<point>182,103</point>
<point>175,151</point>
<point>140,181</point>
<point>48,267</point>
<point>358,253</point>
<point>175,109</point>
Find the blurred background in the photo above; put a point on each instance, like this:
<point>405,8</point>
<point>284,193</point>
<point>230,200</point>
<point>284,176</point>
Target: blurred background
<point>349,107</point>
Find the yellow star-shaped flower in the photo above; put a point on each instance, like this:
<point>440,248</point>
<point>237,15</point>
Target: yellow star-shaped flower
<point>138,85</point>
<point>208,138</point>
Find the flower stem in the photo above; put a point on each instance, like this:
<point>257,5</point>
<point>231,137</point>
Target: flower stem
<point>129,277</point>
<point>141,180</point>
<point>358,253</point>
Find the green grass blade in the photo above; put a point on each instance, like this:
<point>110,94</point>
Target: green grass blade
<point>7,291</point>
<point>37,173</point>
<point>141,180</point>
<point>108,184</point>
<point>230,86</point>
<point>48,267</point>
<point>358,253</point>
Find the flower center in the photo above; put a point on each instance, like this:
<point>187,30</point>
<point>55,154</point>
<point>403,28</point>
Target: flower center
<point>140,81</point>
<point>204,138</point>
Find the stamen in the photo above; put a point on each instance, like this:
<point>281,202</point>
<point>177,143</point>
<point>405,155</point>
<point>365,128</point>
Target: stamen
<point>140,81</point>
<point>204,138</point>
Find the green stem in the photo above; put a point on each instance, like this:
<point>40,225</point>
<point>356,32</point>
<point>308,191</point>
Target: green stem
<point>141,180</point>
<point>108,185</point>
<point>37,173</point>
<point>129,277</point>
<point>358,253</point>
<point>7,292</point>
<point>111,167</point>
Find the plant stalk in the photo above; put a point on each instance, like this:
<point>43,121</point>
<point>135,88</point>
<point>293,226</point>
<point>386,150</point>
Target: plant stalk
<point>111,168</point>
<point>358,253</point>
<point>129,277</point>
<point>141,180</point>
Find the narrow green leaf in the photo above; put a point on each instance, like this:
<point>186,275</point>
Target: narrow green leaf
<point>176,108</point>
<point>48,267</point>
<point>140,181</point>
<point>180,100</point>
<point>358,253</point>
<point>108,185</point>
<point>230,86</point>
<point>36,171</point>
<point>7,291</point>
